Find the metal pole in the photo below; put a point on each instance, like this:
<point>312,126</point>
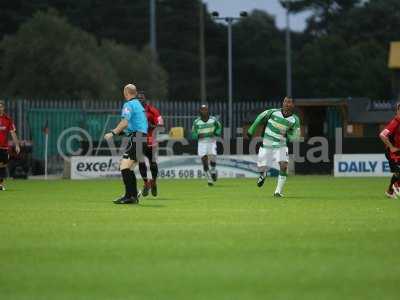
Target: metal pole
<point>153,39</point>
<point>230,21</point>
<point>46,155</point>
<point>288,55</point>
<point>20,118</point>
<point>153,45</point>
<point>203,91</point>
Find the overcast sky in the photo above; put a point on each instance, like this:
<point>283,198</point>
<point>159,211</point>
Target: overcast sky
<point>234,7</point>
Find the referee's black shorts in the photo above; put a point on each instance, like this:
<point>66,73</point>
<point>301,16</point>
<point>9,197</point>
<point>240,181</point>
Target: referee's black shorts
<point>394,165</point>
<point>4,157</point>
<point>136,146</point>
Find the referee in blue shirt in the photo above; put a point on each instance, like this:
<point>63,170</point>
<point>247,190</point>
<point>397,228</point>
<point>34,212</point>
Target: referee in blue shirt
<point>134,125</point>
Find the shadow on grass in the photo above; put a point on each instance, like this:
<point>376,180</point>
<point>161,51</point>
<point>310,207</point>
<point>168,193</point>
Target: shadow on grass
<point>297,197</point>
<point>12,190</point>
<point>159,199</point>
<point>223,185</point>
<point>144,205</point>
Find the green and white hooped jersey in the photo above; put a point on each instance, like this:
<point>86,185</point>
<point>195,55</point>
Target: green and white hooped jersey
<point>278,129</point>
<point>210,129</point>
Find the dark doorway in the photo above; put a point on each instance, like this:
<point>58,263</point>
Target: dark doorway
<point>315,119</point>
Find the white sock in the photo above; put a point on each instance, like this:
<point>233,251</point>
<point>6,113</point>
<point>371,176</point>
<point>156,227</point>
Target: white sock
<point>281,183</point>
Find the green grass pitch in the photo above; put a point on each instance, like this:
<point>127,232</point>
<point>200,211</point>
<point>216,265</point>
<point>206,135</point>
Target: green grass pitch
<point>328,239</point>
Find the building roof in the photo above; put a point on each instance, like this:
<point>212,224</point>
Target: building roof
<point>359,112</point>
<point>321,101</point>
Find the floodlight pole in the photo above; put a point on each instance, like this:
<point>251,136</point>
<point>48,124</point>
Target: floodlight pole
<point>153,38</point>
<point>203,91</point>
<point>229,21</point>
<point>230,79</point>
<point>288,52</point>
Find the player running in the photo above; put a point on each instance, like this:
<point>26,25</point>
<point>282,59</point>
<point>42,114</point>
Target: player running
<point>206,129</point>
<point>390,137</point>
<point>281,126</point>
<point>134,125</point>
<point>6,127</point>
<point>154,119</point>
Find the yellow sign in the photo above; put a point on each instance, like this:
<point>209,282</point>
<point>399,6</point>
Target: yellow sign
<point>394,56</point>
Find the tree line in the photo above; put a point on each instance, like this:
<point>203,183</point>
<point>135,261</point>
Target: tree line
<point>89,48</point>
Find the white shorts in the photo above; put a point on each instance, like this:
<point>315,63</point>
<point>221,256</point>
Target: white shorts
<point>272,156</point>
<point>206,148</point>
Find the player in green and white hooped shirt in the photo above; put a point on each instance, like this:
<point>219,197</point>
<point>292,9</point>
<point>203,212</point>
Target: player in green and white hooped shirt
<point>206,129</point>
<point>281,126</point>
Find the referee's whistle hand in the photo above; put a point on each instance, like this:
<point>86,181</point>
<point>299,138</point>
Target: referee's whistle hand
<point>108,136</point>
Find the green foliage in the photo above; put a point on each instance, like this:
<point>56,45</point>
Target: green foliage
<point>330,66</point>
<point>342,52</point>
<point>49,58</point>
<point>259,58</point>
<point>325,13</point>
<point>346,50</point>
<point>131,65</point>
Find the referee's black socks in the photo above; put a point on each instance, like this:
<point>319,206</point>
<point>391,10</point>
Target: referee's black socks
<point>129,178</point>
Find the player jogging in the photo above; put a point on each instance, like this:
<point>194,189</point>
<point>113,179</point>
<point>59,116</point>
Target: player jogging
<point>390,136</point>
<point>281,126</point>
<point>6,127</point>
<point>134,125</point>
<point>154,119</point>
<point>205,129</point>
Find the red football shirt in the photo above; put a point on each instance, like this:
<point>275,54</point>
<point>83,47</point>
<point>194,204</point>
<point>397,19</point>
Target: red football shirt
<point>392,131</point>
<point>6,125</point>
<point>154,119</point>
